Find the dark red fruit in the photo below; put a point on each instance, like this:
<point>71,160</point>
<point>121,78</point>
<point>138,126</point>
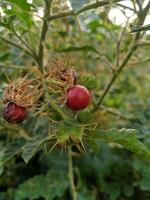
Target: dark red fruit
<point>14,113</point>
<point>78,97</point>
<point>65,73</point>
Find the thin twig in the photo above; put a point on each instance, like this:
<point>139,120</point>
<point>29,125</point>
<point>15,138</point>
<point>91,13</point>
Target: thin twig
<point>83,9</point>
<point>25,43</point>
<point>16,128</point>
<point>14,67</point>
<point>124,7</point>
<point>71,175</point>
<point>139,3</point>
<point>57,109</point>
<point>114,77</point>
<point>139,62</point>
<point>44,33</point>
<point>114,112</point>
<point>16,45</point>
<point>123,31</point>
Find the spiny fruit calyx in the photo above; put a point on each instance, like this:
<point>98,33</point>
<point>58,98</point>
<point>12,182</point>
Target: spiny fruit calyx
<point>22,92</point>
<point>14,113</point>
<point>18,97</point>
<point>63,73</point>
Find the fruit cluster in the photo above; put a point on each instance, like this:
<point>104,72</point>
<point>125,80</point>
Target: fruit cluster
<point>21,94</point>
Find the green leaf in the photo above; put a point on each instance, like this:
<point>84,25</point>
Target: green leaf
<point>86,194</point>
<point>2,195</point>
<point>144,183</point>
<point>11,150</point>
<point>21,4</point>
<point>128,190</point>
<point>63,133</point>
<point>89,81</point>
<point>84,116</point>
<point>32,146</point>
<point>78,3</point>
<point>50,186</point>
<point>141,28</point>
<point>125,137</point>
<point>69,130</point>
<point>113,191</point>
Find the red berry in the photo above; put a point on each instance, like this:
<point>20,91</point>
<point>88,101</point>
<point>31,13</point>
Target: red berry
<point>78,97</point>
<point>14,113</point>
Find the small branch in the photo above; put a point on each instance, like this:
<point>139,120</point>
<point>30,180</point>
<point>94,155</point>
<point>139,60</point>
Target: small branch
<point>71,175</point>
<point>14,67</point>
<point>62,15</point>
<point>114,77</point>
<point>44,33</point>
<point>25,44</point>
<point>16,129</point>
<point>83,9</point>
<point>132,48</point>
<point>145,43</point>
<point>16,45</point>
<point>139,62</point>
<point>57,109</point>
<point>96,5</point>
<point>123,31</point>
<point>139,3</point>
<point>114,112</point>
<point>124,7</point>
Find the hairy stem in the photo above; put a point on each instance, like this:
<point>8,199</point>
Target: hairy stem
<point>71,175</point>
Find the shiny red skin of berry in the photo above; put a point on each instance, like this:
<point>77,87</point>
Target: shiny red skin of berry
<point>78,97</point>
<point>13,113</point>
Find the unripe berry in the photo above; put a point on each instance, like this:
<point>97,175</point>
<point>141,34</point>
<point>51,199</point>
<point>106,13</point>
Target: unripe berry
<point>78,97</point>
<point>14,113</point>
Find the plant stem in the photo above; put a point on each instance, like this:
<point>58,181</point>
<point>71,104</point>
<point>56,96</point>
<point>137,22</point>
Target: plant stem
<point>114,77</point>
<point>115,112</point>
<point>58,110</point>
<point>17,67</point>
<point>133,47</point>
<point>83,9</point>
<point>44,33</point>
<point>71,175</point>
<point>17,45</point>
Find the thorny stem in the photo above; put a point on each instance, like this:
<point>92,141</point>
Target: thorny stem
<point>133,47</point>
<point>44,33</point>
<point>71,175</point>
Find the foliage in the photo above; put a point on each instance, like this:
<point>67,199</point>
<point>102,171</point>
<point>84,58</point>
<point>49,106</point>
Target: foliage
<point>101,152</point>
